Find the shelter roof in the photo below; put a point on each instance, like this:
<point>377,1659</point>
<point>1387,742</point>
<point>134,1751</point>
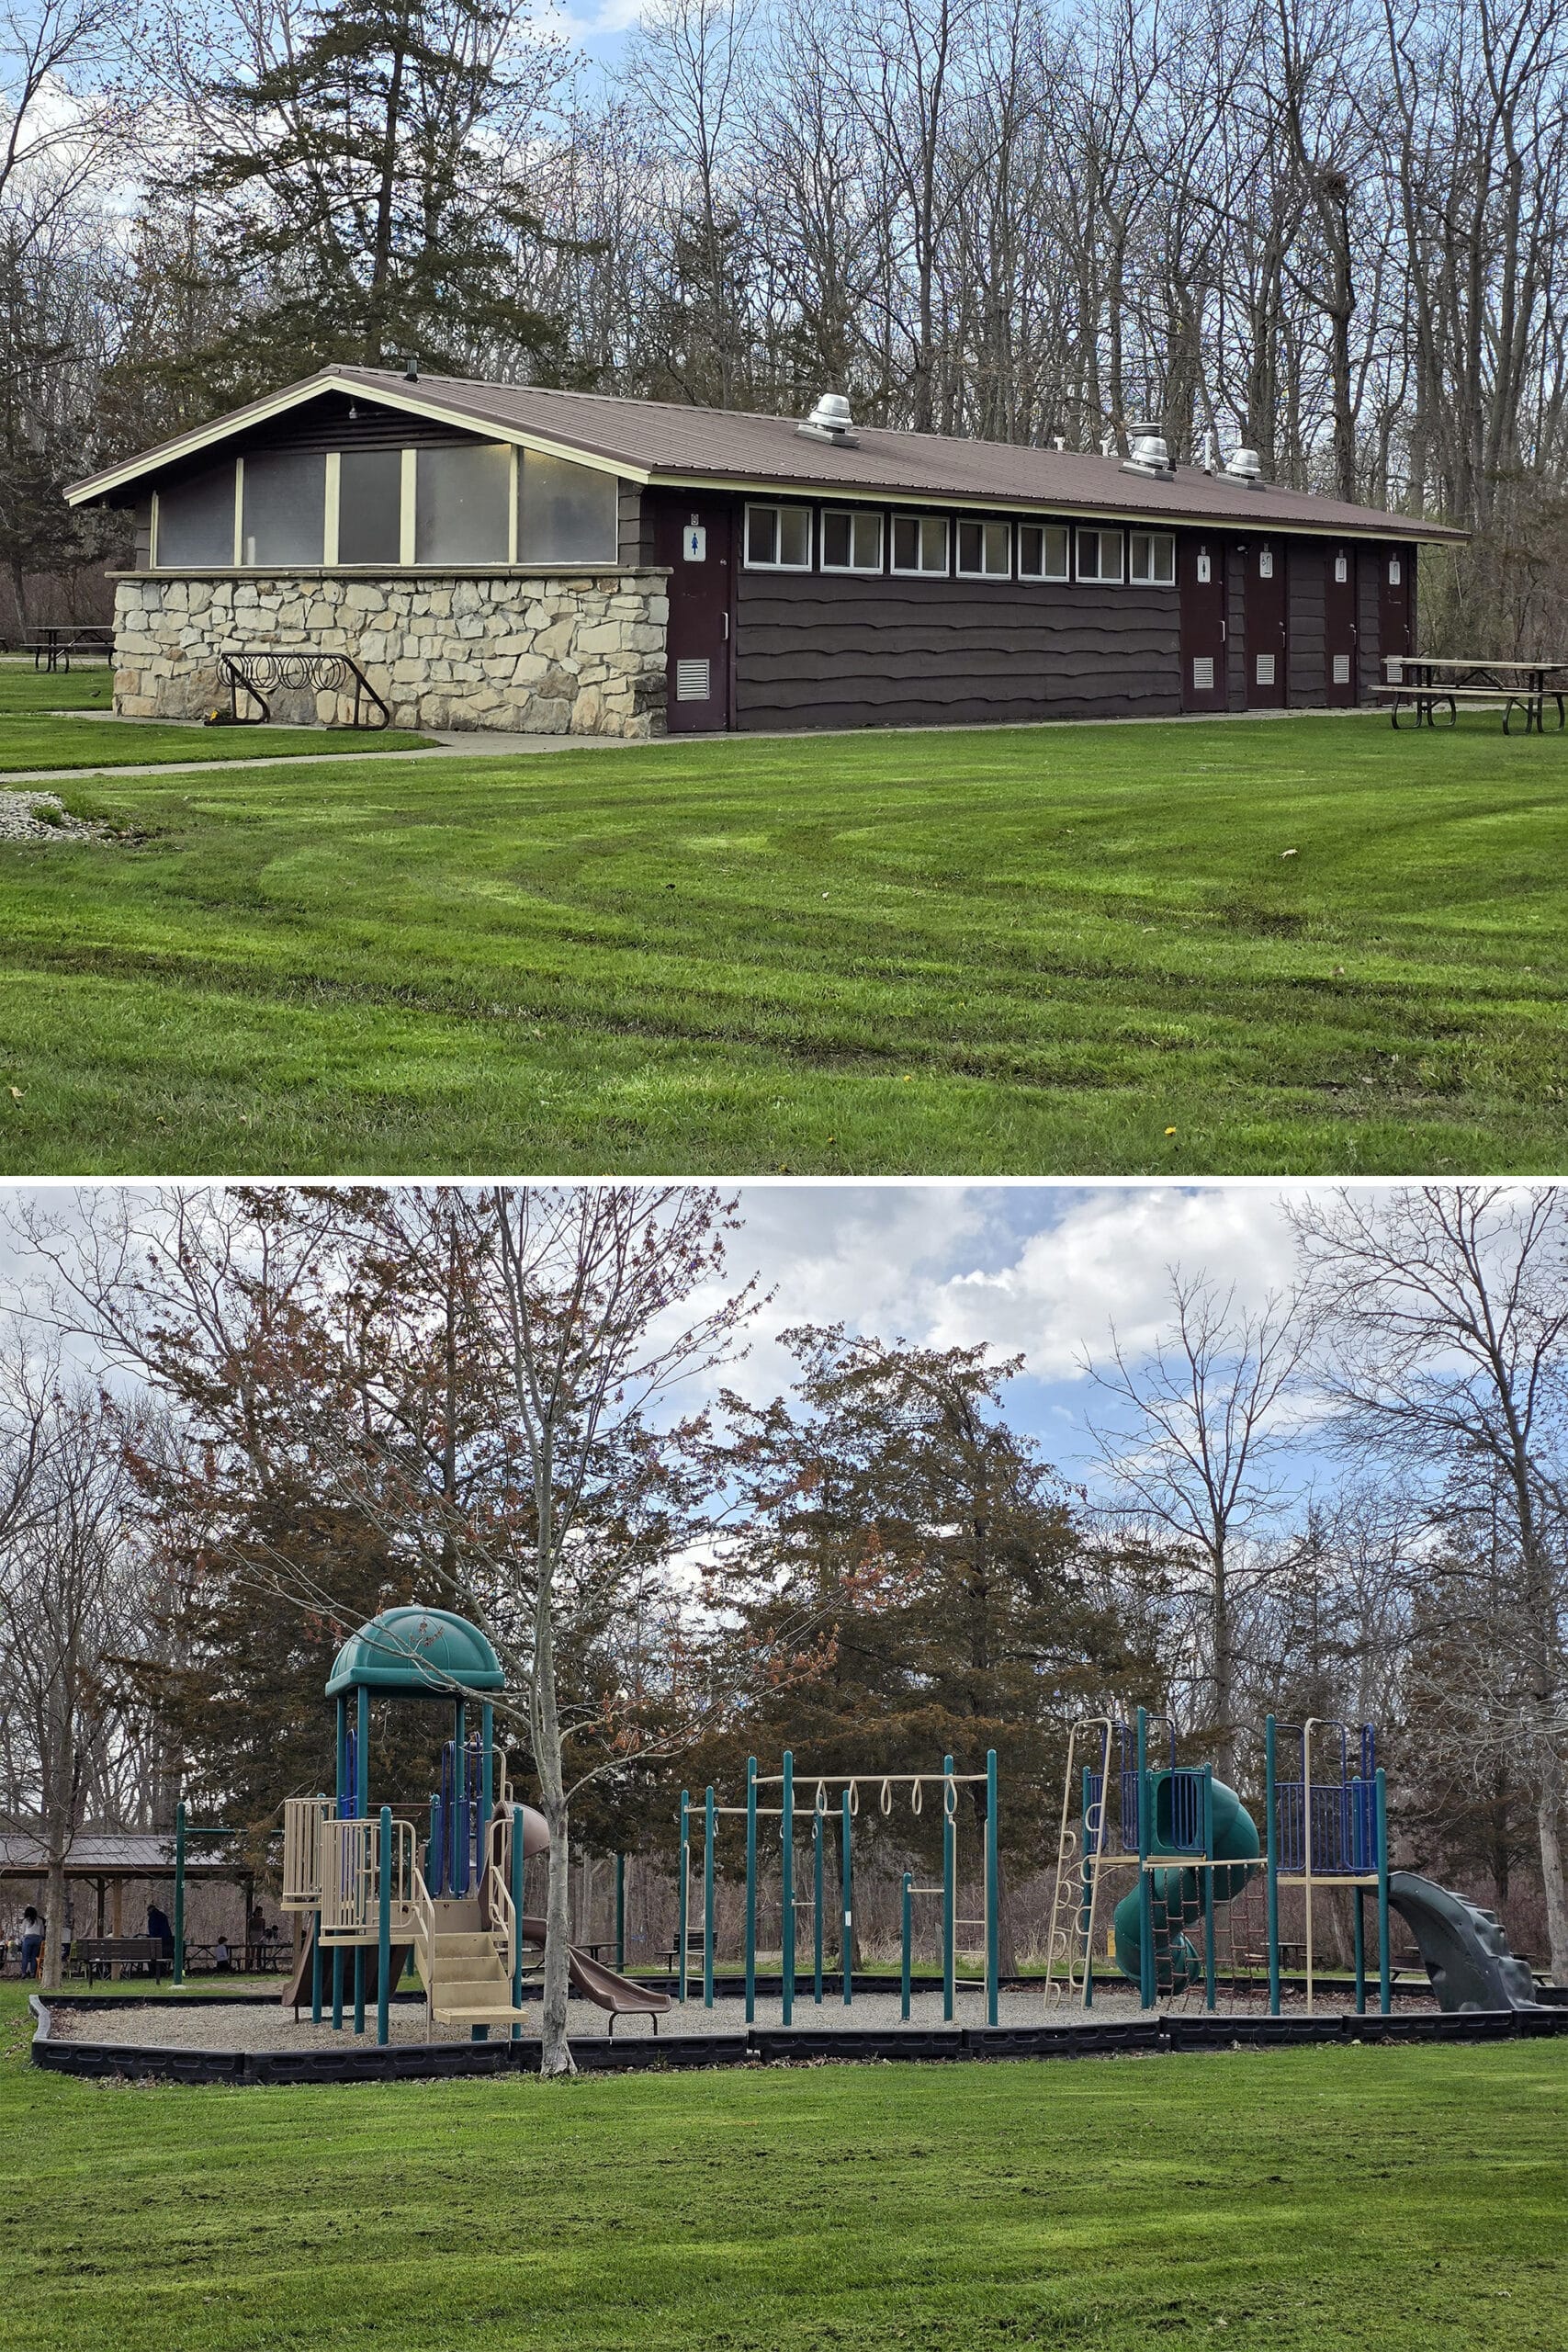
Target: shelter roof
<point>667,442</point>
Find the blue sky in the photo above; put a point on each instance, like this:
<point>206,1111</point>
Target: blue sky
<point>1037,1270</point>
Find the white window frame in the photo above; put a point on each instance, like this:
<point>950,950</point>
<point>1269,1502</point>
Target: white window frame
<point>922,571</point>
<point>1100,532</point>
<point>1149,578</point>
<point>981,523</point>
<point>777,507</point>
<point>1044,529</point>
<point>853,515</point>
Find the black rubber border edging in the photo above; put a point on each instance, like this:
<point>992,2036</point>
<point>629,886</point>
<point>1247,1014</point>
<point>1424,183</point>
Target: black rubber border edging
<point>602,2054</point>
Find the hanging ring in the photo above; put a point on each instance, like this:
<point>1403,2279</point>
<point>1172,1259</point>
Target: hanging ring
<point>820,1803</point>
<point>887,1797</point>
<point>917,1797</point>
<point>854,1800</point>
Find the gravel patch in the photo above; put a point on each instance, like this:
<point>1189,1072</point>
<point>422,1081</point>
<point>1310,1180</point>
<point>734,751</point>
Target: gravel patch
<point>41,817</point>
<point>228,2026</point>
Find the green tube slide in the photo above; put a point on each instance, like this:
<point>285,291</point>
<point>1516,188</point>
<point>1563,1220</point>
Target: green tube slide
<point>1178,1894</point>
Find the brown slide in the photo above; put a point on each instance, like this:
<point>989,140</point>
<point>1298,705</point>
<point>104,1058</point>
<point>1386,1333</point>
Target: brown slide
<point>298,1990</point>
<point>601,1985</point>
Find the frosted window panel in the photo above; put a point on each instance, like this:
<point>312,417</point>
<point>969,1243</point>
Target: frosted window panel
<point>567,514</point>
<point>460,501</point>
<point>196,519</point>
<point>1042,551</point>
<point>369,506</point>
<point>284,504</point>
<point>919,543</point>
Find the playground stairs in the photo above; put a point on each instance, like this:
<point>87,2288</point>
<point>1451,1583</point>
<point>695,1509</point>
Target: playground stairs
<point>466,1976</point>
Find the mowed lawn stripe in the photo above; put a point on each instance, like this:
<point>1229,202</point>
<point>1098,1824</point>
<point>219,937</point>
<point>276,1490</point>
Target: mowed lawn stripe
<point>1310,944</point>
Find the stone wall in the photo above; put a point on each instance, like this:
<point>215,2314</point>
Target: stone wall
<point>541,653</point>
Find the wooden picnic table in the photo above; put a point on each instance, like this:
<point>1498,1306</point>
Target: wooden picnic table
<point>1424,681</point>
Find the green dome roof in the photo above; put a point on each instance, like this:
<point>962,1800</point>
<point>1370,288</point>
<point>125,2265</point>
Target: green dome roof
<point>419,1652</point>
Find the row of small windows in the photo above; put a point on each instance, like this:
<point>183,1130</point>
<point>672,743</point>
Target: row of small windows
<point>470,504</point>
<point>779,538</point>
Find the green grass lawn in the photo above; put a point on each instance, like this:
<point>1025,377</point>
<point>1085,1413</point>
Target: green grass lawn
<point>1305,945</point>
<point>30,737</point>
<point>1409,2200</point>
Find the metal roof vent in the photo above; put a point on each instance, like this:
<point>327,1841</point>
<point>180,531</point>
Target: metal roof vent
<point>1243,465</point>
<point>1150,454</point>
<point>830,421</point>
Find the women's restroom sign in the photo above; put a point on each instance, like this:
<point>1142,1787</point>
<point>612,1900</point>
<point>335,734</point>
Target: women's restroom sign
<point>694,546</point>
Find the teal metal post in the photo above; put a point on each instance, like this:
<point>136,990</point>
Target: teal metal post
<point>1209,1889</point>
<point>337,1810</point>
<point>516,1892</point>
<point>621,1913</point>
<point>1358,1927</point>
<point>1271,1853</point>
<point>384,1928</point>
<point>707,1904</point>
<point>180,1892</point>
<point>819,1898</point>
<point>1386,1980</point>
<point>1148,1977</point>
<point>846,1872</point>
<point>786,1912</point>
<point>361,1813</point>
<point>908,1941</point>
<point>684,1896</point>
<point>316,1969</point>
<point>750,1890</point>
<point>993,1919</point>
<point>949,1884</point>
<point>1086,1901</point>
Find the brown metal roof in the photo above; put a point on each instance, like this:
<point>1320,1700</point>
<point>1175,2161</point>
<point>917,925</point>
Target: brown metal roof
<point>667,442</point>
<point>113,1853</point>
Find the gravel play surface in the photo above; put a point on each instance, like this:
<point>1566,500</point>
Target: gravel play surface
<point>221,2025</point>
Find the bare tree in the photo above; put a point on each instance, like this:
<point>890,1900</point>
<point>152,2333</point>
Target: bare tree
<point>609,1299</point>
<point>1194,1458</point>
<point>72,1601</point>
<point>1440,1318</point>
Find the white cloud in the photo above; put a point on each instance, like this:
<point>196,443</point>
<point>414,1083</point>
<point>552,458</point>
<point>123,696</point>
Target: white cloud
<point>1106,1260</point>
<point>1040,1270</point>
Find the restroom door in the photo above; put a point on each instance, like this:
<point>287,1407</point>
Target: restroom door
<point>1394,604</point>
<point>1266,624</point>
<point>1201,575</point>
<point>1340,630</point>
<point>696,537</point>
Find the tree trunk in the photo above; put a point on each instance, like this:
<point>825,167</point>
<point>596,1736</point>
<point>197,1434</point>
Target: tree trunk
<point>54,1923</point>
<point>555,2057</point>
<point>1548,1818</point>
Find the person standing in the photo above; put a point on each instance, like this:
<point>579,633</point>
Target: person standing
<point>32,1943</point>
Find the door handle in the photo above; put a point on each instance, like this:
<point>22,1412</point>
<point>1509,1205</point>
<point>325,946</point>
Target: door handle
<point>727,629</point>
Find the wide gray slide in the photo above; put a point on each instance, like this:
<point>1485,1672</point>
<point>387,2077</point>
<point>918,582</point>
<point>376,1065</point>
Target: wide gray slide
<point>1465,1948</point>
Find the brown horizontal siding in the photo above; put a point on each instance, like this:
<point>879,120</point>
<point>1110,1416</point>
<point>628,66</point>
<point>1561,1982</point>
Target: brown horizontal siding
<point>830,651</point>
<point>1307,641</point>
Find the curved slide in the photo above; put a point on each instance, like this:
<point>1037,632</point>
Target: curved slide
<point>1179,1893</point>
<point>1465,1949</point>
<point>619,1994</point>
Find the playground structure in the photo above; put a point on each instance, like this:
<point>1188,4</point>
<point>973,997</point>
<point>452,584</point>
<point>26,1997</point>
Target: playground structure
<point>374,1892</point>
<point>835,1799</point>
<point>1195,1850</point>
